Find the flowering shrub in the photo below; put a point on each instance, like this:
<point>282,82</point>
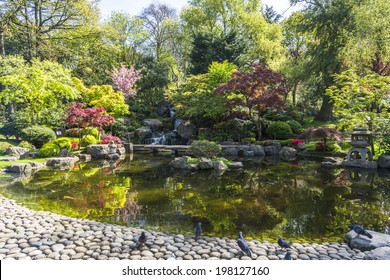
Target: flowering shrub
<point>295,142</point>
<point>107,138</point>
<point>124,79</point>
<point>74,145</point>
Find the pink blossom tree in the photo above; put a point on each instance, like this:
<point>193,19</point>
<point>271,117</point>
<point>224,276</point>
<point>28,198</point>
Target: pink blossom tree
<point>124,79</point>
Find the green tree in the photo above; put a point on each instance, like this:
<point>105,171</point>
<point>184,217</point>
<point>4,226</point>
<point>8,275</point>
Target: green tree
<point>360,100</point>
<point>37,87</point>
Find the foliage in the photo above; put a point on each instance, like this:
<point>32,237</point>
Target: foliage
<point>279,130</point>
<point>233,130</point>
<point>205,148</point>
<point>87,140</point>
<point>323,133</point>
<point>105,96</point>
<point>38,135</point>
<point>108,138</point>
<point>295,126</point>
<point>360,101</point>
<point>251,95</point>
<point>124,80</point>
<point>52,148</point>
<point>296,142</point>
<point>25,144</point>
<point>38,87</point>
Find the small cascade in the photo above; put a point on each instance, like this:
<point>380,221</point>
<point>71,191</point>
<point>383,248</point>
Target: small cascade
<point>156,139</point>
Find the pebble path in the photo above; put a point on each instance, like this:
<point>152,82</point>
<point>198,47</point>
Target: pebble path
<point>36,235</point>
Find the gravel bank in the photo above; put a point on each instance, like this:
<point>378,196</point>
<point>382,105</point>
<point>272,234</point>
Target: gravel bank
<point>36,235</point>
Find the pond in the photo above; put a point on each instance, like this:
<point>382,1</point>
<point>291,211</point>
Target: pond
<point>298,200</point>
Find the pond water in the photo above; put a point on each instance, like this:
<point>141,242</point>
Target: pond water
<point>298,200</point>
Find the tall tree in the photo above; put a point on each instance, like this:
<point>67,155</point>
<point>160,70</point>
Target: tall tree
<point>155,17</point>
<point>328,21</point>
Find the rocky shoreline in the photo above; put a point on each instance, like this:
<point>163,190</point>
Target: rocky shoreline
<point>27,234</point>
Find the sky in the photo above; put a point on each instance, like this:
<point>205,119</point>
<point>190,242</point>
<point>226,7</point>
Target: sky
<point>134,7</point>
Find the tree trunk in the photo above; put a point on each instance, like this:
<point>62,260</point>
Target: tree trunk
<point>326,111</point>
<point>2,43</point>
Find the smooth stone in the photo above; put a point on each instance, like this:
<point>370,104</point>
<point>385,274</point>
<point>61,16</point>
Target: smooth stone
<point>227,255</point>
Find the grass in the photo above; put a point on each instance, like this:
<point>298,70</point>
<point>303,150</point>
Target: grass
<point>311,122</point>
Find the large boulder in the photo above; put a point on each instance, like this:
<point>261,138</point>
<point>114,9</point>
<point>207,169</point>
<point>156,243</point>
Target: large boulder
<point>20,168</point>
<point>271,150</point>
<point>205,163</point>
<point>288,153</point>
<point>99,151</point>
<point>154,124</point>
<point>164,108</point>
<point>186,130</point>
<point>382,253</point>
<point>384,161</point>
<point>364,243</point>
<point>257,150</point>
<point>219,165</point>
<point>62,163</point>
<point>18,152</point>
<point>180,163</point>
<point>230,151</point>
<point>143,132</point>
<point>236,165</point>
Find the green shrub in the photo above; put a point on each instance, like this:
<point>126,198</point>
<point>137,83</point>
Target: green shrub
<point>88,140</point>
<point>204,148</point>
<point>38,135</point>
<point>92,131</point>
<point>52,148</point>
<point>25,144</point>
<point>295,126</point>
<point>234,130</point>
<point>279,130</point>
<point>333,147</point>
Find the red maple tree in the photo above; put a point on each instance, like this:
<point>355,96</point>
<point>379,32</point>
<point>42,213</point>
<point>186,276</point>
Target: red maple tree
<point>250,95</point>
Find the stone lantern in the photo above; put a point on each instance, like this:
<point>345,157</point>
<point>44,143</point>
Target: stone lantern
<point>360,155</point>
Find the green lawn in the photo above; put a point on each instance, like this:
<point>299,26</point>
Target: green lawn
<point>311,122</point>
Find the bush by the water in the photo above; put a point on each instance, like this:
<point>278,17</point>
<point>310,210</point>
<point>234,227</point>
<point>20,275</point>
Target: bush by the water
<point>38,135</point>
<point>295,126</point>
<point>25,144</point>
<point>279,130</point>
<point>204,148</point>
<point>88,140</point>
<point>52,148</point>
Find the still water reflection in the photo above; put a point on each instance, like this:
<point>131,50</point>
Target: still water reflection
<point>299,200</point>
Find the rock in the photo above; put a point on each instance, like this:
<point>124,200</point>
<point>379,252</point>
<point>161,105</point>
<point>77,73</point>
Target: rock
<point>219,165</point>
<point>85,157</point>
<point>205,163</point>
<point>143,132</point>
<point>99,151</point>
<point>180,163</point>
<point>164,108</point>
<point>236,165</point>
<point>154,124</point>
<point>57,247</point>
<point>384,161</point>
<point>19,152</point>
<point>382,253</point>
<point>62,163</point>
<point>288,153</point>
<point>230,151</point>
<point>365,244</point>
<point>63,153</point>
<point>121,150</point>
<point>113,156</point>
<point>246,153</point>
<point>257,150</point>
<point>8,158</point>
<point>330,159</point>
<point>271,150</point>
<point>20,168</point>
<point>186,130</point>
<point>37,165</point>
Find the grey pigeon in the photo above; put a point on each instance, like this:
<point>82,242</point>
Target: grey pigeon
<point>141,239</point>
<point>287,256</point>
<point>198,231</point>
<point>243,245</point>
<point>282,243</point>
<point>360,231</point>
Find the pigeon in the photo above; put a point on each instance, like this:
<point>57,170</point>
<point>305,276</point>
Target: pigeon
<point>243,245</point>
<point>287,256</point>
<point>360,231</point>
<point>282,243</point>
<point>198,231</point>
<point>141,239</point>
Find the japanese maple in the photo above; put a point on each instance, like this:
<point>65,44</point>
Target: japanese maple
<point>124,79</point>
<point>251,95</point>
